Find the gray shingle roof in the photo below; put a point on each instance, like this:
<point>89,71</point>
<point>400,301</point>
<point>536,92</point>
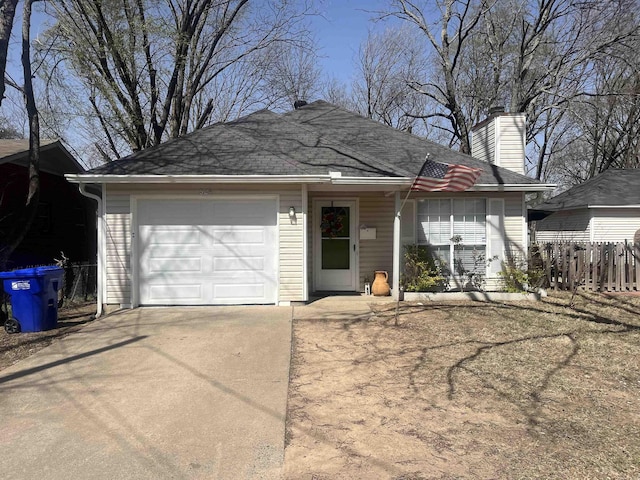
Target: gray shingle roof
<point>312,140</point>
<point>54,157</point>
<point>613,187</point>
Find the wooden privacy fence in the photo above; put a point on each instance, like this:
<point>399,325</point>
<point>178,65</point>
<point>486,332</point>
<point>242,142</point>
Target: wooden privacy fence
<point>594,266</point>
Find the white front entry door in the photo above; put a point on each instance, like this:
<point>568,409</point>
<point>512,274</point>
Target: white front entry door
<point>335,245</point>
<point>209,251</point>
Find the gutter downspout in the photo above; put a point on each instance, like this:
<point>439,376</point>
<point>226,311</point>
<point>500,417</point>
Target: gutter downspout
<point>100,246</point>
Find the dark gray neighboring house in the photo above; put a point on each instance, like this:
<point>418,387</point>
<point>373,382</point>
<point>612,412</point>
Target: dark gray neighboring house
<point>272,207</point>
<point>603,209</point>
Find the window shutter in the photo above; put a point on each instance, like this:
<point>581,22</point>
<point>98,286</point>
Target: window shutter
<point>495,235</point>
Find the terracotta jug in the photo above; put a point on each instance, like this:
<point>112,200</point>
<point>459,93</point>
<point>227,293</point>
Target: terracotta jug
<point>380,285</point>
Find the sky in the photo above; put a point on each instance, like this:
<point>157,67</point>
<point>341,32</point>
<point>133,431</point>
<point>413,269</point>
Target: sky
<point>340,29</point>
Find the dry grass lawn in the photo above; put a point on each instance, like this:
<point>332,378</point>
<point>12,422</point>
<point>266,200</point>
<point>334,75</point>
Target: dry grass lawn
<point>469,390</point>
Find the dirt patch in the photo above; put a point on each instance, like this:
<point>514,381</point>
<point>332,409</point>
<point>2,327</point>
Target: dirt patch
<point>15,347</point>
<point>469,390</point>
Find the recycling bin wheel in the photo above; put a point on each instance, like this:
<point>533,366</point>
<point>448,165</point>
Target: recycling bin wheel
<point>11,325</point>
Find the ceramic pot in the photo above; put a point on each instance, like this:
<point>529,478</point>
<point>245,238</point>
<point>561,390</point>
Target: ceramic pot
<point>380,287</point>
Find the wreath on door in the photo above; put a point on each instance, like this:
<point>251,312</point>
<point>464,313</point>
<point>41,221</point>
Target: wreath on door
<point>331,224</point>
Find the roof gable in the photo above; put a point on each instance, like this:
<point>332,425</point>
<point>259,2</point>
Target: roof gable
<point>54,157</point>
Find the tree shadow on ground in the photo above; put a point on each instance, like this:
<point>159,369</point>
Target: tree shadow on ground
<point>597,311</point>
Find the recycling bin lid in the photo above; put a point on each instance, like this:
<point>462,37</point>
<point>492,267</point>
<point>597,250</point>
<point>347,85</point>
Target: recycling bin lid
<point>31,272</point>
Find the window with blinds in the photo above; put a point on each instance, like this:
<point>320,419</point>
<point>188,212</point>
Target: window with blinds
<point>454,229</point>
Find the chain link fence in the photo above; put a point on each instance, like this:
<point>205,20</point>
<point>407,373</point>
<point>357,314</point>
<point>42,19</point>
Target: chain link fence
<point>79,284</point>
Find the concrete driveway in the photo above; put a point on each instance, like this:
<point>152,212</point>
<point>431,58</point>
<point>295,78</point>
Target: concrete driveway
<point>152,393</point>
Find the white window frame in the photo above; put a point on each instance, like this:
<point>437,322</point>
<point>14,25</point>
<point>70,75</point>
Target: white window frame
<point>450,243</point>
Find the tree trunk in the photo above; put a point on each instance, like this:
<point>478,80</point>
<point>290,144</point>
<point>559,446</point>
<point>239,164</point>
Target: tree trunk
<point>28,213</point>
<point>7,13</point>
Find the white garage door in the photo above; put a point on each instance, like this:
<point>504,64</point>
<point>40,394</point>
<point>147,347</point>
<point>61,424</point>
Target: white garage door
<point>207,252</point>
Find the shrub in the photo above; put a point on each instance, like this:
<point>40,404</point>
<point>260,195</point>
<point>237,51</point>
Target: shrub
<point>520,275</point>
<point>421,271</point>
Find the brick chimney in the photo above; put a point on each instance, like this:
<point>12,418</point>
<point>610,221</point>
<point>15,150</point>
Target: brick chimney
<point>500,139</point>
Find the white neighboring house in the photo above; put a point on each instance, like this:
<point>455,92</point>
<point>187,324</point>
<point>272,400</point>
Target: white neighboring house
<point>603,209</point>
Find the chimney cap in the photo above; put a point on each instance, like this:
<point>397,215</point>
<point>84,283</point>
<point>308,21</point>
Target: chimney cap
<point>496,109</point>
<point>299,103</point>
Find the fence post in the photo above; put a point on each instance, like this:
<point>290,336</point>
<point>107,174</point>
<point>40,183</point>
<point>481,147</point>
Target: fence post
<point>572,253</point>
<point>556,261</point>
<point>636,259</point>
<point>566,270</point>
<point>587,266</point>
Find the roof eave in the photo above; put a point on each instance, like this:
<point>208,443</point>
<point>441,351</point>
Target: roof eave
<point>123,179</point>
<point>513,187</point>
<point>408,181</point>
<point>614,206</point>
<point>334,178</point>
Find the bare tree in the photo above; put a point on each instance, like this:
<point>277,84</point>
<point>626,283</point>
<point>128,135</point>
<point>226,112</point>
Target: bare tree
<point>7,14</point>
<point>602,129</point>
<point>291,73</point>
<point>387,61</point>
<point>20,224</point>
<point>458,20</point>
<point>533,56</point>
<point>152,70</point>
<point>8,130</point>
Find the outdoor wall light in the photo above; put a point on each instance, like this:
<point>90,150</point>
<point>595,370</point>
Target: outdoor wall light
<point>292,212</point>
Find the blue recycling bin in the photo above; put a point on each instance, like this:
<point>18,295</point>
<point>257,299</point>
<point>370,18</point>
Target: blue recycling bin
<point>34,296</point>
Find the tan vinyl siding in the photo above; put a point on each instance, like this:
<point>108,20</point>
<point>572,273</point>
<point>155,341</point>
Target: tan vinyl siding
<point>118,248</point>
<point>569,225</point>
<point>483,143</point>
<point>514,223</point>
<point>376,211</point>
<point>291,247</point>
<point>511,142</point>
<point>615,224</point>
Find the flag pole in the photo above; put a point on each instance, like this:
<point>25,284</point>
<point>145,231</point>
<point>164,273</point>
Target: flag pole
<point>399,215</point>
<point>411,189</point>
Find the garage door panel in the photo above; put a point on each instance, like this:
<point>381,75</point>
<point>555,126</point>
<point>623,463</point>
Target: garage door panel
<point>254,291</point>
<point>227,255</point>
<point>172,264</point>
<point>167,235</point>
<point>170,212</point>
<point>235,264</point>
<point>239,237</point>
<point>175,293</point>
<point>175,251</point>
<point>243,212</point>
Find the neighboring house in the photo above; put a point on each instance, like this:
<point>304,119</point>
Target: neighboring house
<point>65,220</point>
<point>270,208</point>
<point>603,209</point>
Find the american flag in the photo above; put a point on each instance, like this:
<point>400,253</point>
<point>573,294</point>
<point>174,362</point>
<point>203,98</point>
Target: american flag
<point>442,177</point>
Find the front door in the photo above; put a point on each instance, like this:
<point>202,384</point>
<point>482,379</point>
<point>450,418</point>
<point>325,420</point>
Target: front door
<point>335,245</point>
